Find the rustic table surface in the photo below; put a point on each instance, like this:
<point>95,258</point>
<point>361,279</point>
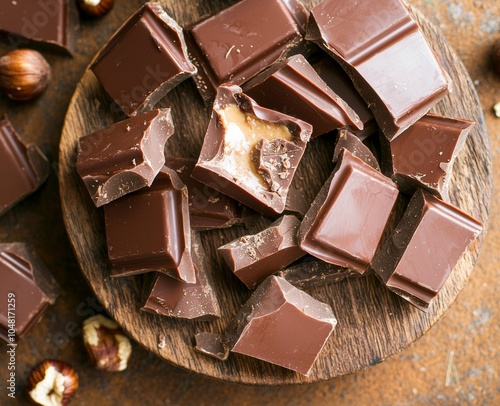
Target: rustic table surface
<point>457,360</point>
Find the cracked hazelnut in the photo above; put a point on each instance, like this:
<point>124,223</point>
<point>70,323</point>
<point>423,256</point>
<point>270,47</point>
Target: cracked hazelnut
<point>96,8</point>
<point>24,74</point>
<point>108,347</point>
<point>52,383</point>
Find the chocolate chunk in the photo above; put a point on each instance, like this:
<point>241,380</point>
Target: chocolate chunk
<point>252,258</point>
<point>167,296</point>
<point>144,60</point>
<point>282,325</point>
<point>226,161</point>
<point>384,52</point>
<point>423,155</point>
<point>23,168</point>
<point>240,41</point>
<point>211,344</point>
<point>294,88</point>
<point>296,203</point>
<point>149,230</point>
<point>26,286</point>
<point>124,157</point>
<point>424,248</point>
<point>348,217</point>
<point>349,141</point>
<point>51,23</point>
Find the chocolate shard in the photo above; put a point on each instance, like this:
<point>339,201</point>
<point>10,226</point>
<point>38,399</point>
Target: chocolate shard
<point>167,296</point>
<point>294,88</point>
<point>282,325</point>
<point>423,155</point>
<point>47,23</point>
<point>252,258</point>
<point>23,168</point>
<point>124,157</point>
<point>349,141</point>
<point>145,59</point>
<point>226,161</point>
<point>27,287</point>
<point>149,230</point>
<point>211,344</point>
<point>237,43</point>
<point>424,248</point>
<point>384,52</point>
<point>346,221</point>
<point>296,203</point>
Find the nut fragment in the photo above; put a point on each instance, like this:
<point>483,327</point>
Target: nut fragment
<point>96,8</point>
<point>52,383</point>
<point>108,347</point>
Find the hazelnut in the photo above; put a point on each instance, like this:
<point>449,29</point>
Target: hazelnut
<point>108,347</point>
<point>496,56</point>
<point>52,383</point>
<point>24,74</point>
<point>96,8</point>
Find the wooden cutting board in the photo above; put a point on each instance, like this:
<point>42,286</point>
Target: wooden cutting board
<point>373,324</point>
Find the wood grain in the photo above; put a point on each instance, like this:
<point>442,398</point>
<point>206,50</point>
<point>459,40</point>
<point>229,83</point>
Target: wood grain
<point>373,324</point>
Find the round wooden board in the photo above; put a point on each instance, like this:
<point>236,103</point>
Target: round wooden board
<point>373,324</point>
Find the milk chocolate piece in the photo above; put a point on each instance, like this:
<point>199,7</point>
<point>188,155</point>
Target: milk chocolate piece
<point>149,230</point>
<point>50,23</point>
<point>144,60</point>
<point>282,325</point>
<point>252,258</point>
<point>23,168</point>
<point>167,296</point>
<point>124,157</point>
<point>211,344</point>
<point>423,155</point>
<point>251,153</point>
<point>26,286</point>
<point>240,41</point>
<point>386,55</point>
<point>349,141</point>
<point>294,88</point>
<point>424,248</point>
<point>348,217</point>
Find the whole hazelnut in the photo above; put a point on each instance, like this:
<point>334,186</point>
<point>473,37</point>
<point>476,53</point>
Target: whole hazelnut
<point>52,383</point>
<point>109,349</point>
<point>496,56</point>
<point>96,8</point>
<point>24,74</point>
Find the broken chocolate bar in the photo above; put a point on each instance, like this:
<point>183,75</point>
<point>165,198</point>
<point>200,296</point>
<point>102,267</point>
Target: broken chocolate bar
<point>27,287</point>
<point>124,157</point>
<point>384,52</point>
<point>349,141</point>
<point>418,258</point>
<point>23,168</point>
<point>251,153</point>
<point>144,60</point>
<point>149,230</point>
<point>252,258</point>
<point>294,88</point>
<point>211,344</point>
<point>348,217</point>
<point>282,325</point>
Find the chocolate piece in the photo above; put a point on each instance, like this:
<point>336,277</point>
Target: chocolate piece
<point>23,168</point>
<point>296,203</point>
<point>243,137</point>
<point>211,344</point>
<point>282,325</point>
<point>295,88</point>
<point>424,248</point>
<point>53,23</point>
<point>385,53</point>
<point>124,157</point>
<point>240,41</point>
<point>252,258</point>
<point>27,287</point>
<point>349,141</point>
<point>347,219</point>
<point>149,230</point>
<point>423,155</point>
<point>144,60</point>
<point>167,296</point>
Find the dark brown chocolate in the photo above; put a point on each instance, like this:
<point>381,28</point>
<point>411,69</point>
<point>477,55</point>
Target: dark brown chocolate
<point>349,141</point>
<point>348,217</point>
<point>211,344</point>
<point>424,248</point>
<point>23,168</point>
<point>149,230</point>
<point>243,137</point>
<point>124,157</point>
<point>144,60</point>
